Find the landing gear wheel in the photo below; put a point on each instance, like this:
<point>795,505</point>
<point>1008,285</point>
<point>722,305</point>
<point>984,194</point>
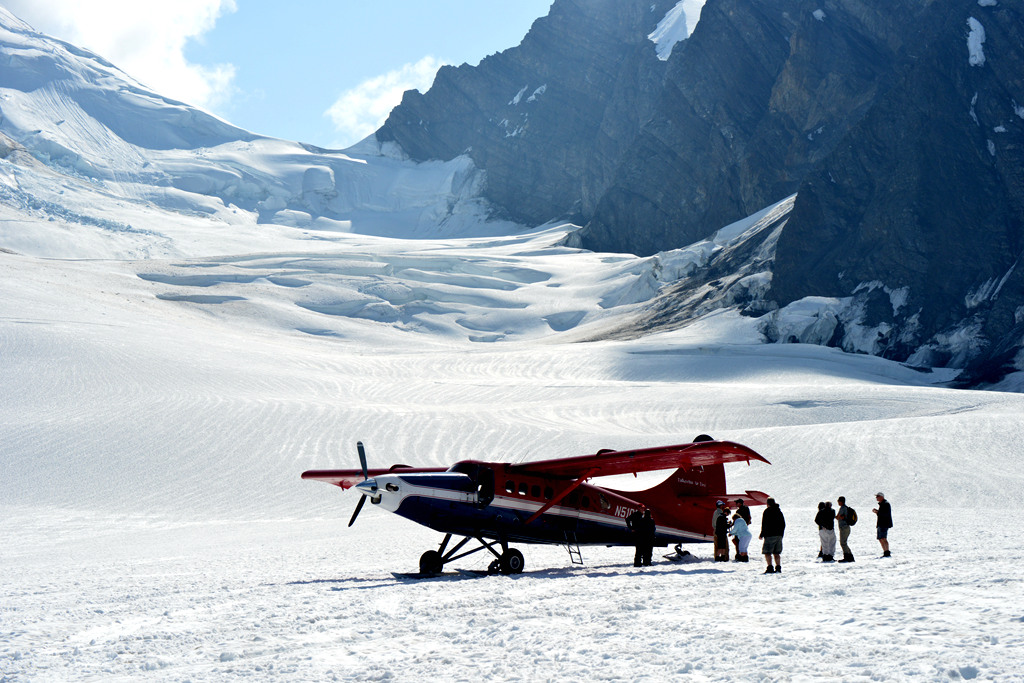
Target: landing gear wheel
<point>431,562</point>
<point>512,562</point>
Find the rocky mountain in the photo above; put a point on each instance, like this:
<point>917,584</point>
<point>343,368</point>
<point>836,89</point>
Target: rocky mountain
<point>759,94</point>
<point>920,208</point>
<point>550,119</point>
<point>898,127</point>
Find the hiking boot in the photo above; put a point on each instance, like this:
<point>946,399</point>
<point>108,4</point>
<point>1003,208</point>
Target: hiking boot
<point>770,570</point>
<point>886,554</point>
<point>778,570</point>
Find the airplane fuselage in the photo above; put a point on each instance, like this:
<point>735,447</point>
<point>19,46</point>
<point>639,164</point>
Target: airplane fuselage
<point>469,504</point>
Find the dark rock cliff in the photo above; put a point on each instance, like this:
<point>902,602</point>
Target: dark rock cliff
<point>760,93</point>
<point>582,119</point>
<point>546,120</point>
<point>927,194</point>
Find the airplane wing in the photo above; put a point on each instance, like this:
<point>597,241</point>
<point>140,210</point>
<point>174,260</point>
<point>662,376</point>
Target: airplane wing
<point>609,463</point>
<point>348,478</point>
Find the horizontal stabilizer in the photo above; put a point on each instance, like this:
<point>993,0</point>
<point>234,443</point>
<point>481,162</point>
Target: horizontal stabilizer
<point>749,498</point>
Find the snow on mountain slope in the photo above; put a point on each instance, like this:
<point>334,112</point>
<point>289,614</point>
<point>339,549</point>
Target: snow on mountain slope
<point>88,149</point>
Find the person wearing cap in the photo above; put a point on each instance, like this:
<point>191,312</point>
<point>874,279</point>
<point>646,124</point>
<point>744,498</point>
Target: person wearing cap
<point>773,527</point>
<point>720,528</point>
<point>884,522</point>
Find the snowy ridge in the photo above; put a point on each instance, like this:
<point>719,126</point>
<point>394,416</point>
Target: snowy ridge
<point>76,133</point>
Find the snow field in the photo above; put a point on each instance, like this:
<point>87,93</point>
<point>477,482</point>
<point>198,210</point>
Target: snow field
<point>91,597</point>
<point>155,526</point>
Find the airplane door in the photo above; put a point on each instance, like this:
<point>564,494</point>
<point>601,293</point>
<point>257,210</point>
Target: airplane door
<point>570,511</point>
<point>485,487</point>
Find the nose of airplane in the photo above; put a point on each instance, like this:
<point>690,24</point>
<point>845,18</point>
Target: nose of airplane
<point>368,487</point>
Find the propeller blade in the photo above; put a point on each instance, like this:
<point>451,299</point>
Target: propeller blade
<point>359,506</point>
<point>366,475</point>
<point>362,459</point>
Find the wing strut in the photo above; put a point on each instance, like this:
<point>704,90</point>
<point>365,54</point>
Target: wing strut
<point>565,492</point>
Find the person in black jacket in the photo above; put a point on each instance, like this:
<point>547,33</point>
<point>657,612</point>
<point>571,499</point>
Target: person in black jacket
<point>773,527</point>
<point>742,510</point>
<point>884,522</point>
<point>644,530</point>
<point>718,534</point>
<point>722,524</point>
<point>826,521</point>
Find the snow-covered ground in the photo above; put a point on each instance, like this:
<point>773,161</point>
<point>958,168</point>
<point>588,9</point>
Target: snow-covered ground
<point>157,415</point>
<point>191,316</point>
<point>91,597</point>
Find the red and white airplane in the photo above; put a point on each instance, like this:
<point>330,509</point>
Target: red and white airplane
<point>550,501</point>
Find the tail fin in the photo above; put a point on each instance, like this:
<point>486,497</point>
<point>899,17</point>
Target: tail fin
<point>702,482</point>
<point>701,485</point>
<point>706,480</point>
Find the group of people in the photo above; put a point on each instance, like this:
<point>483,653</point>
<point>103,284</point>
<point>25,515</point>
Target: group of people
<point>738,527</point>
<point>773,527</point>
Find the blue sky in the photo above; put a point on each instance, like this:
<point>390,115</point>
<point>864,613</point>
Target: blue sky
<point>277,68</point>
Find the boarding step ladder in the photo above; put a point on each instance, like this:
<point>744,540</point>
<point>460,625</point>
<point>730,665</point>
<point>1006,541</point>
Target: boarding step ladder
<point>575,556</point>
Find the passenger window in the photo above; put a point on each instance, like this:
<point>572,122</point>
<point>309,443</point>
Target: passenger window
<point>535,491</point>
<point>573,499</point>
<point>510,487</point>
<point>549,493</point>
<point>522,489</point>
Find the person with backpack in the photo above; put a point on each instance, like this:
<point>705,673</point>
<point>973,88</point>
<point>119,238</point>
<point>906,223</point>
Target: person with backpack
<point>883,523</point>
<point>773,527</point>
<point>826,521</point>
<point>846,517</point>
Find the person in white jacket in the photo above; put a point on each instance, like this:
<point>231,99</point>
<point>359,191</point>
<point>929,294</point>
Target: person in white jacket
<point>742,533</point>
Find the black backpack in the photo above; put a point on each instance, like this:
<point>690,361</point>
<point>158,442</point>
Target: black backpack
<point>851,516</point>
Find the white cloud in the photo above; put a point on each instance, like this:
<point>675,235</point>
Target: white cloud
<point>144,38</point>
<point>363,109</point>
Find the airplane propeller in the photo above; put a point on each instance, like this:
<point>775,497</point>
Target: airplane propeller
<point>366,475</point>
